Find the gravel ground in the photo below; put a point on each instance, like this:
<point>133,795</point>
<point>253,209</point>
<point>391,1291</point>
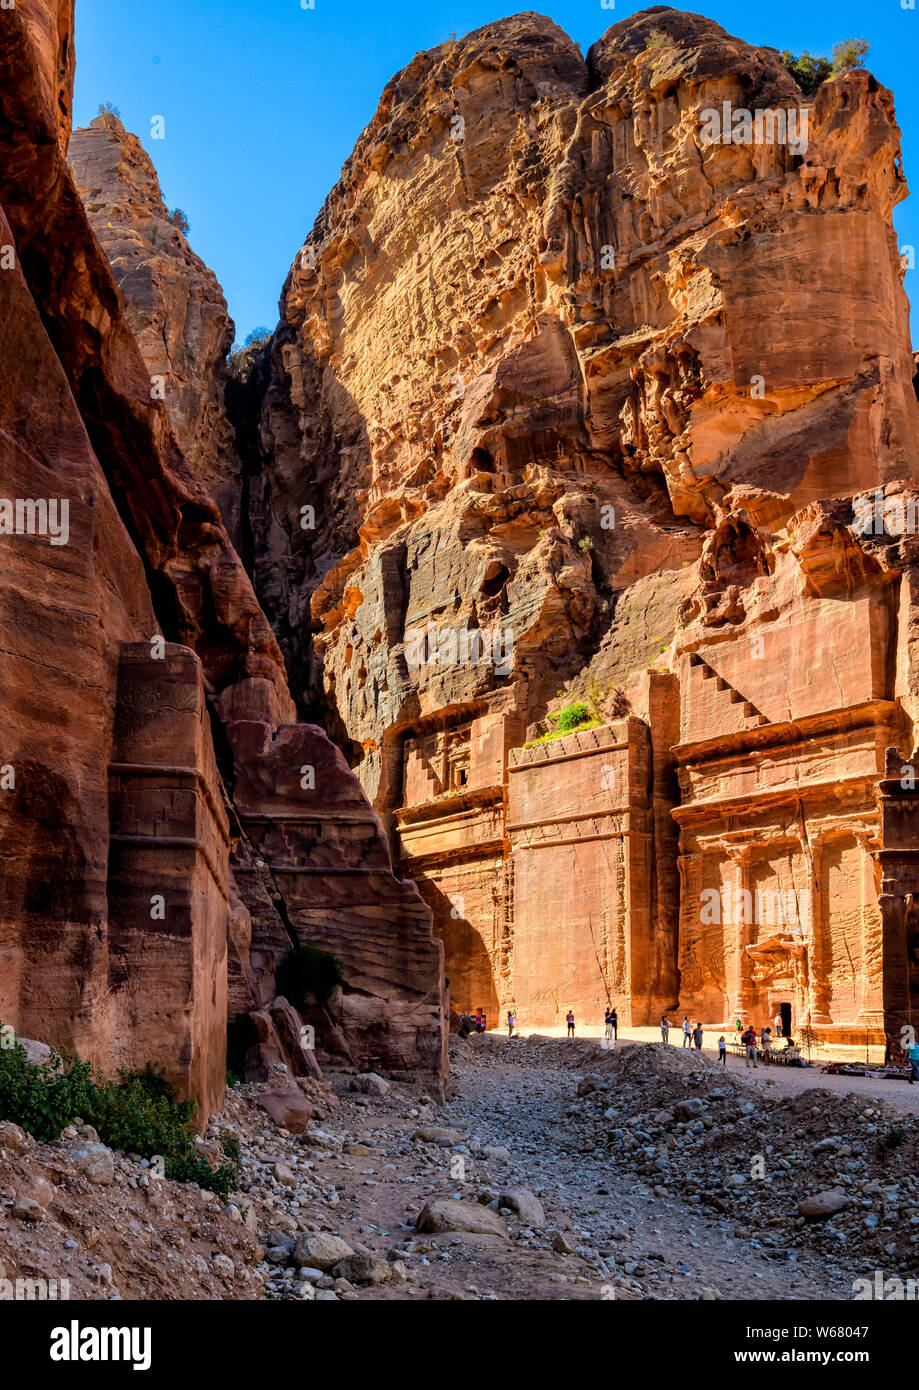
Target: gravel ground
<point>634,1198</point>
<point>553,1170</point>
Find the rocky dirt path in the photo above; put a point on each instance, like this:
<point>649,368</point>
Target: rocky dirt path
<point>514,1120</point>
<point>553,1170</point>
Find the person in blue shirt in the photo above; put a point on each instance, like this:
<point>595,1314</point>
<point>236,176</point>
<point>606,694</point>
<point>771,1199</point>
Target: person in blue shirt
<point>913,1055</point>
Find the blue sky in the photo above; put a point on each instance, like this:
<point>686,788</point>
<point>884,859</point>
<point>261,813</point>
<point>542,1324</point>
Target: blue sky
<point>263,100</point>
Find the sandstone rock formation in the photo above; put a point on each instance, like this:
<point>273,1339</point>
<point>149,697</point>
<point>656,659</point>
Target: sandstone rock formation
<point>125,615</point>
<point>172,302</point>
<point>560,392</point>
<point>570,403</point>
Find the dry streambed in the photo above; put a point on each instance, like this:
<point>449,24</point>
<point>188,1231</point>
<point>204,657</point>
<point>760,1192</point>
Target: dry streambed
<point>554,1170</point>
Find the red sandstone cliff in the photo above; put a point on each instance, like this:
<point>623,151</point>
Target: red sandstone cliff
<point>124,614</point>
<point>565,400</point>
<point>555,368</point>
<point>537,303</point>
<point>172,302</point>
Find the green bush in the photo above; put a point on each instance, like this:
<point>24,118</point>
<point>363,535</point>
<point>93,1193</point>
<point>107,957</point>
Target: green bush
<point>137,1114</point>
<point>807,70</point>
<point>307,973</point>
<point>571,716</point>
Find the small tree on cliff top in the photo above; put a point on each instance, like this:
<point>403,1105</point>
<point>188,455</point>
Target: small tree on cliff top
<point>807,70</point>
<point>849,54</point>
<point>178,219</point>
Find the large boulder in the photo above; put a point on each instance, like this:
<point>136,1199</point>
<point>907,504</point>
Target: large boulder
<point>443,1214</point>
<point>289,1109</point>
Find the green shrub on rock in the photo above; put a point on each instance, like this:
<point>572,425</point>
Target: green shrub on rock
<point>138,1113</point>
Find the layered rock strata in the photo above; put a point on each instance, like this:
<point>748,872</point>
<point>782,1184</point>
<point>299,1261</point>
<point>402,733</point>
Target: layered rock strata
<point>573,357</point>
<point>172,302</point>
<point>125,614</point>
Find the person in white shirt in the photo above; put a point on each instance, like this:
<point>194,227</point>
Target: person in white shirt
<point>687,1032</point>
<point>778,1025</point>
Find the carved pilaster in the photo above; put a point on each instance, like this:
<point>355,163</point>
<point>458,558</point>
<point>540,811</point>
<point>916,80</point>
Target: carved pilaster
<point>871,978</point>
<point>692,936</point>
<point>739,928</point>
<point>818,976</point>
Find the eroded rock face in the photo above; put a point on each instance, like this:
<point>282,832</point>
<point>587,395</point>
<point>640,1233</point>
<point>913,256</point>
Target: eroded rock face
<point>173,303</point>
<point>125,613</point>
<point>538,304</point>
<point>560,385</point>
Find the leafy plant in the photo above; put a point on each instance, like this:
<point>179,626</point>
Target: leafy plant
<point>595,697</point>
<point>572,716</point>
<point>850,54</point>
<point>108,108</point>
<point>138,1114</point>
<point>894,1136</point>
<point>178,219</point>
<point>229,1142</point>
<point>585,545</point>
<point>258,335</point>
<point>807,70</point>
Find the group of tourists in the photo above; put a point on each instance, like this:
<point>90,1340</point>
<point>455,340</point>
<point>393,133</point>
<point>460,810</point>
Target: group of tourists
<point>754,1045</point>
<point>692,1033</point>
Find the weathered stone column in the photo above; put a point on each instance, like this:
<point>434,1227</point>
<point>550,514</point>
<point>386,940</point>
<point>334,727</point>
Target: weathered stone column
<point>167,879</point>
<point>818,980</point>
<point>871,975</point>
<point>691,932</point>
<point>740,929</point>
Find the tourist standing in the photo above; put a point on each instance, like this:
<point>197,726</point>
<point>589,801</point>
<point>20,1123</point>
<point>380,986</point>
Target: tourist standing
<point>697,1036</point>
<point>614,1021</point>
<point>511,1021</point>
<point>722,1051</point>
<point>665,1028</point>
<point>766,1043</point>
<point>748,1038</point>
<point>607,1025</point>
<point>778,1025</point>
<point>687,1031</point>
<point>569,1019</point>
<point>913,1055</point>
